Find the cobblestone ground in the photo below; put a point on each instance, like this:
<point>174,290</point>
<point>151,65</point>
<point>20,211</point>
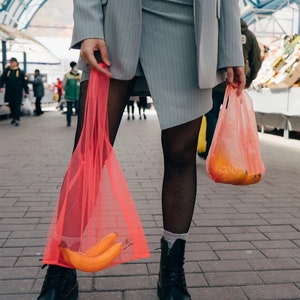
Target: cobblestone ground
<point>244,242</point>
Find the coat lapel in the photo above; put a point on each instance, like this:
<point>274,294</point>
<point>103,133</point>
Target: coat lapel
<point>206,15</point>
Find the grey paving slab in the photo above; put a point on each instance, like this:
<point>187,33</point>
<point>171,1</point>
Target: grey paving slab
<point>244,242</point>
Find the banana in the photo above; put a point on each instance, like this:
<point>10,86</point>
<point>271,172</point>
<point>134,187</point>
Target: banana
<point>251,179</point>
<point>86,263</point>
<point>104,244</point>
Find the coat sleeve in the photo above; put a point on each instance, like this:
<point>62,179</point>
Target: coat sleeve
<point>230,52</point>
<point>24,83</point>
<point>3,78</point>
<point>88,21</point>
<point>254,57</point>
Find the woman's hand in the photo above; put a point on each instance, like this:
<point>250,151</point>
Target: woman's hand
<point>87,53</point>
<point>236,78</point>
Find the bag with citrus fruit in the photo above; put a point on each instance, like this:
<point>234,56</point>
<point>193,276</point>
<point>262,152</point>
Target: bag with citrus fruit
<point>234,156</point>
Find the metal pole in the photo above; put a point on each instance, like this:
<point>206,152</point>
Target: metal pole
<point>25,62</point>
<point>3,54</point>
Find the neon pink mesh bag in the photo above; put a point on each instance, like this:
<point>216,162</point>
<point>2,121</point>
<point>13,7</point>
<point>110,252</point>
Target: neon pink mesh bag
<point>94,199</point>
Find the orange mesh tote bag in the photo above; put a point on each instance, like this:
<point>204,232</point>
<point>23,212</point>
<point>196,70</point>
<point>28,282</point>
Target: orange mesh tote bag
<point>234,156</point>
<point>95,224</point>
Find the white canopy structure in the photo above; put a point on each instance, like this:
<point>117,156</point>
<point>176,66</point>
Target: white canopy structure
<point>271,17</point>
<point>15,16</point>
<point>265,17</point>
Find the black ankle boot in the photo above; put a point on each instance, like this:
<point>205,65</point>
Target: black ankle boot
<point>171,283</point>
<point>59,284</point>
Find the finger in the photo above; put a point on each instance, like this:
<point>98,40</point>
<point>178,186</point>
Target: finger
<point>93,47</point>
<point>230,75</point>
<point>104,53</point>
<point>92,63</point>
<point>241,80</point>
<point>236,78</point>
<point>87,54</point>
<point>103,70</point>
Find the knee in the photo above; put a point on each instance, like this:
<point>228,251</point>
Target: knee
<point>181,154</point>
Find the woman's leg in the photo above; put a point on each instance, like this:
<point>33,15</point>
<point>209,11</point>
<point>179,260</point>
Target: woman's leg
<point>132,109</point>
<point>38,109</point>
<point>17,110</point>
<point>179,184</point>
<point>12,108</point>
<point>128,109</point>
<point>119,93</point>
<point>178,201</point>
<point>69,112</point>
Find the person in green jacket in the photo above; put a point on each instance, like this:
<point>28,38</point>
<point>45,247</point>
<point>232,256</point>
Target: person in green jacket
<point>71,85</point>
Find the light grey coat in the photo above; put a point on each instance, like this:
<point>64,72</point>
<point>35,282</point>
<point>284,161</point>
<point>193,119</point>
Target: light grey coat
<point>217,35</point>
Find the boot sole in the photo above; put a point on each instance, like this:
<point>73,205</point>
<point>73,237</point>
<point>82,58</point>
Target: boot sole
<point>159,291</point>
<point>73,294</point>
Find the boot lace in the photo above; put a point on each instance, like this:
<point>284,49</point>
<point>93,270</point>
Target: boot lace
<point>176,273</point>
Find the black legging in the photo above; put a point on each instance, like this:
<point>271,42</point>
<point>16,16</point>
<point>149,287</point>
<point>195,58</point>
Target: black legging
<point>38,109</point>
<point>179,147</point>
<point>15,109</point>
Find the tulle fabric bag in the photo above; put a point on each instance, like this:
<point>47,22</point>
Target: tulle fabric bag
<point>94,199</point>
<point>234,156</point>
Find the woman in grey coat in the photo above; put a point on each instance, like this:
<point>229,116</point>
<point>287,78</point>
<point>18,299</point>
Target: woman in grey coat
<point>182,48</point>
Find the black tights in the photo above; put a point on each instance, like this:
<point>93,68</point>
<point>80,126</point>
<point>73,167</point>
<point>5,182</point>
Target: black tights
<point>179,148</point>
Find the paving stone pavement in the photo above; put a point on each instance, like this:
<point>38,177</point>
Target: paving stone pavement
<point>244,242</point>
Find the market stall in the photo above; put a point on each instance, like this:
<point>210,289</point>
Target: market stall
<point>276,90</point>
<point>279,109</point>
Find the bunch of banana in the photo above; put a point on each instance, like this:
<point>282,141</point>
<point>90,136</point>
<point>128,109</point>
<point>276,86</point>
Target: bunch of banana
<point>96,258</point>
<point>251,179</point>
<point>222,170</point>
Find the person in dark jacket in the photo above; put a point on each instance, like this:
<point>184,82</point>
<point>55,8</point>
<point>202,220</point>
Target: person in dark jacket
<point>252,53</point>
<point>14,81</point>
<point>38,91</point>
<point>253,61</point>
